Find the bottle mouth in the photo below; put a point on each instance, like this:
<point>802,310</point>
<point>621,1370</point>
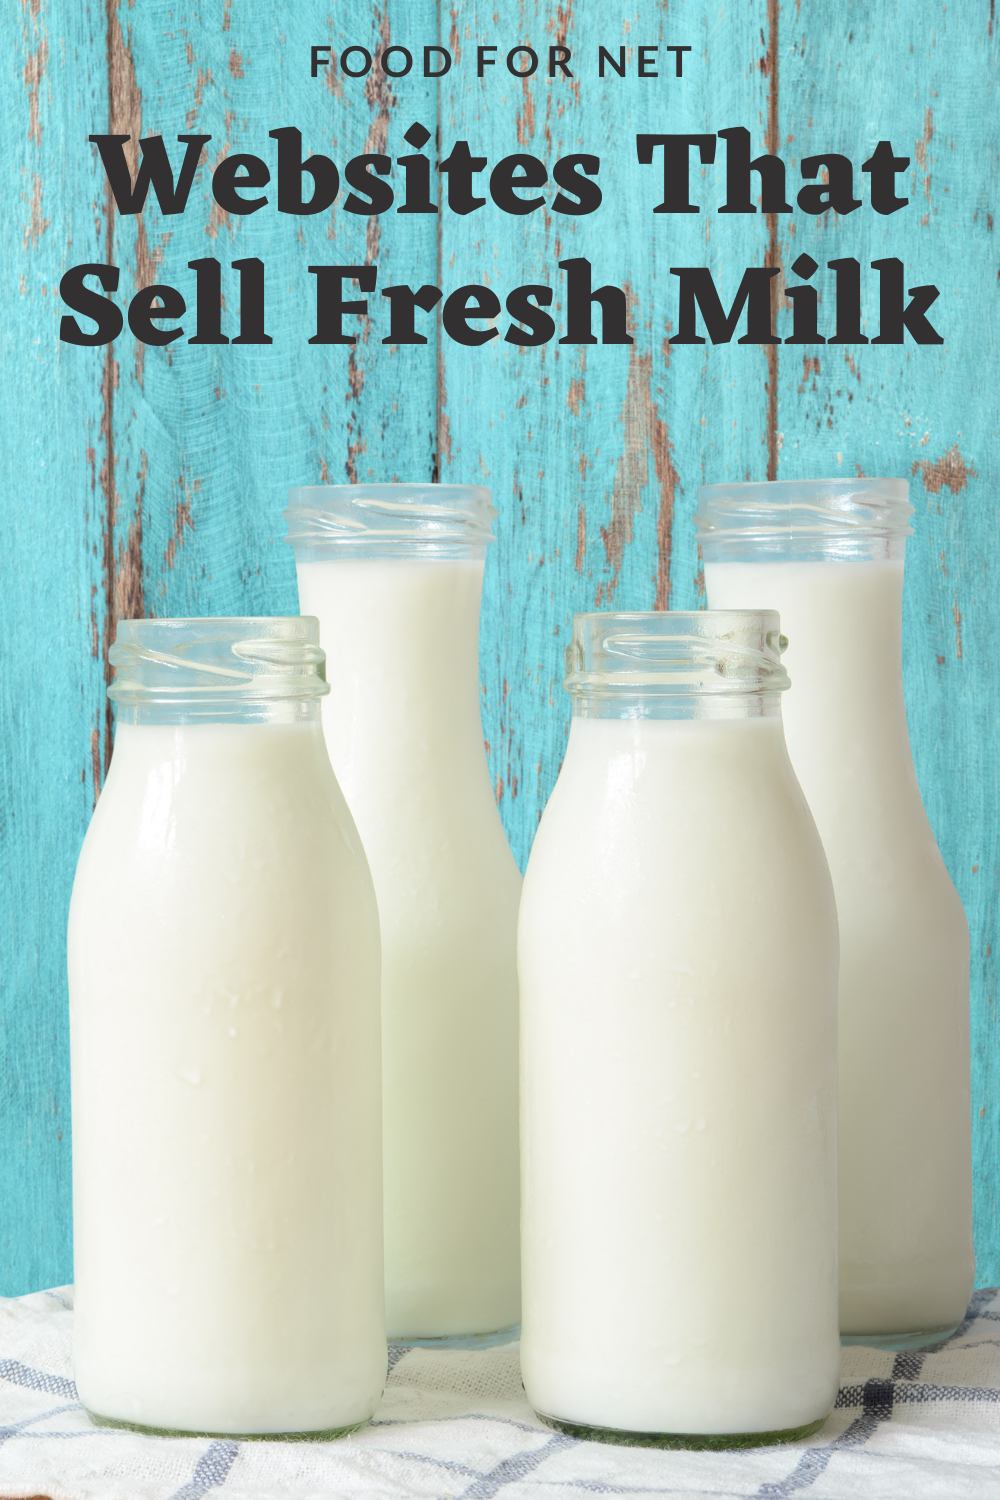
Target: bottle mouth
<point>217,660</point>
<point>827,516</point>
<point>389,520</point>
<point>678,653</point>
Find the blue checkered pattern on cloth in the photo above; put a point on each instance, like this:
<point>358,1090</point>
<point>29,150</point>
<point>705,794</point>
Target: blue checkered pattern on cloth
<point>456,1423</point>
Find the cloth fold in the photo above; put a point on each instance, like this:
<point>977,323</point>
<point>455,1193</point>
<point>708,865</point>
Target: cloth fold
<point>455,1423</point>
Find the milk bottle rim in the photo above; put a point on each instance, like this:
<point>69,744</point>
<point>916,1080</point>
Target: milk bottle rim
<point>424,521</point>
<point>821,518</point>
<point>169,670</point>
<point>623,658</point>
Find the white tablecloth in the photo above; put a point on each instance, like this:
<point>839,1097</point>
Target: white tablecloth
<point>456,1423</point>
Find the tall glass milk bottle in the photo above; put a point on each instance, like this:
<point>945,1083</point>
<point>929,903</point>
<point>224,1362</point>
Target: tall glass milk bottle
<point>677,952</point>
<point>224,1018</point>
<point>829,555</point>
<point>395,574</point>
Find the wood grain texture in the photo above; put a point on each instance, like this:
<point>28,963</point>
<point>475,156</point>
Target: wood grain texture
<point>145,480</point>
<point>52,670</point>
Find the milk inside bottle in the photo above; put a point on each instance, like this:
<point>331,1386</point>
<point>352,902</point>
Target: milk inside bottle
<point>829,555</point>
<point>394,573</point>
<point>224,1013</point>
<point>677,954</point>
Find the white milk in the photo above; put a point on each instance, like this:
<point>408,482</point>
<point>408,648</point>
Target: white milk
<point>405,736</point>
<point>223,965</point>
<point>678,963</point>
<point>905,1172</point>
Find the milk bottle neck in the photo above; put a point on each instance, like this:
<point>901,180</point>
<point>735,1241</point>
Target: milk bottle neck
<point>218,711</point>
<point>453,685</point>
<point>810,520</point>
<point>395,571</point>
<point>878,617</point>
<point>649,705</point>
<point>848,684</point>
<point>379,522</point>
<point>829,553</point>
<point>404,635</point>
<point>229,671</point>
<point>709,664</point>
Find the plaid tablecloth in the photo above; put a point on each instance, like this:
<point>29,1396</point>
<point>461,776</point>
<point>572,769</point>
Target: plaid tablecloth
<point>456,1423</point>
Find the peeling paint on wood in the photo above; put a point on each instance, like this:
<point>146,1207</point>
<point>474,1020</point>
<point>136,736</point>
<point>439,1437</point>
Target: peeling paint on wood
<point>950,471</point>
<point>34,71</point>
<point>152,480</point>
<point>644,436</point>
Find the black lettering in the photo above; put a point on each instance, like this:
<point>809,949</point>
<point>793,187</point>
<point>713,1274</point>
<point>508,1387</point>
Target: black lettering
<point>504,182</point>
<point>470,302</point>
<point>588,193</point>
<point>461,165</point>
<point>417,175</point>
<point>482,61</point>
<point>226,183</point>
<point>882,167</point>
<point>142,314</point>
<point>697,290</point>
<point>770,169</point>
<point>646,64</point>
<point>604,56</point>
<point>378,195</point>
<point>402,301</point>
<point>805,304</point>
<point>679,60</point>
<point>330,306</point>
<point>836,193</point>
<point>251,301</point>
<point>317,63</point>
<point>894,318</point>
<point>848,301</point>
<point>208,301</point>
<point>366,66</point>
<point>521,307</point>
<point>579,305</point>
<point>155,168</point>
<point>445,57</point>
<point>407,62</point>
<point>558,58</point>
<point>81,299</point>
<point>675,167</point>
<point>532,62</point>
<point>326,178</point>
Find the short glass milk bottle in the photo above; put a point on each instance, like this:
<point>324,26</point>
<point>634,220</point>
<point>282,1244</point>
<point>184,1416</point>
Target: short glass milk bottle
<point>395,574</point>
<point>677,953</point>
<point>224,1018</point>
<point>829,555</point>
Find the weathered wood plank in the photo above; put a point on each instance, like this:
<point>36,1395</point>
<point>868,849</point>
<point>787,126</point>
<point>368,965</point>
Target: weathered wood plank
<point>152,480</point>
<point>928,414</point>
<point>50,667</point>
<point>595,453</point>
<point>215,435</point>
<point>160,474</point>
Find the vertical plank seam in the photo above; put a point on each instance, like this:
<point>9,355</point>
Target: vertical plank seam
<point>123,570</point>
<point>773,257</point>
<point>442,439</point>
<point>109,381</point>
<point>379,97</point>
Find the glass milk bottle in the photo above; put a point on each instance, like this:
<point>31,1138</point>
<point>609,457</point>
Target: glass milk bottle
<point>395,574</point>
<point>224,1017</point>
<point>677,952</point>
<point>829,555</point>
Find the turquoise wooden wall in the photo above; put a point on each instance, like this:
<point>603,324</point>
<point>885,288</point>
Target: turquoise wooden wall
<point>146,480</point>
